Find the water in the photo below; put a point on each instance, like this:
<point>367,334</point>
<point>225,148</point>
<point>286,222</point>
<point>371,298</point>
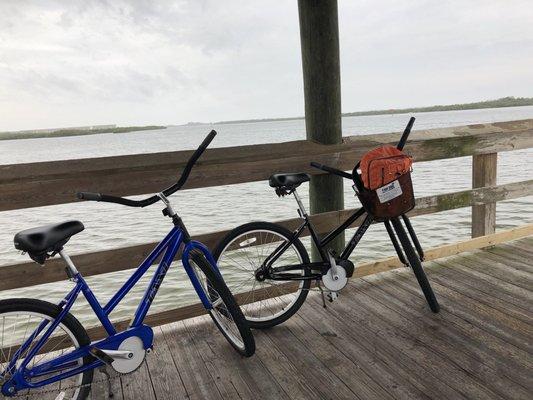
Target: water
<point>217,208</point>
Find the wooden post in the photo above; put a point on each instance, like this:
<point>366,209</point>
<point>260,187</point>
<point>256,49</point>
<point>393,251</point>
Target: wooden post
<point>319,35</point>
<point>484,168</point>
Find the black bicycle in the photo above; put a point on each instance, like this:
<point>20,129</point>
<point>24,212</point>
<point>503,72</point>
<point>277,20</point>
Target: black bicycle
<point>267,267</point>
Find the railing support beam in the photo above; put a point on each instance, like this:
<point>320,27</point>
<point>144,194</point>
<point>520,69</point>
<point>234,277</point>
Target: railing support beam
<point>319,35</point>
<point>484,169</point>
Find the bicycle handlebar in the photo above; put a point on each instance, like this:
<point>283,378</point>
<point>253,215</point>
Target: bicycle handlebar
<point>399,146</point>
<point>405,133</point>
<point>167,192</point>
<point>331,170</point>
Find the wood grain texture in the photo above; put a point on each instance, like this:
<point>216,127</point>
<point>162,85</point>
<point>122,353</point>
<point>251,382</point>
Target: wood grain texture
<point>379,340</point>
<point>29,273</point>
<point>56,182</point>
<point>484,171</point>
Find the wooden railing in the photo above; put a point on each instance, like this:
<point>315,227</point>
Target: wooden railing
<point>56,182</point>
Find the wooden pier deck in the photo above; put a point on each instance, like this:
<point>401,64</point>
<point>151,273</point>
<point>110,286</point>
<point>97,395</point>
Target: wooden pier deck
<point>377,341</point>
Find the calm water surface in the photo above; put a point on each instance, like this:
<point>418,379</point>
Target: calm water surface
<point>203,210</point>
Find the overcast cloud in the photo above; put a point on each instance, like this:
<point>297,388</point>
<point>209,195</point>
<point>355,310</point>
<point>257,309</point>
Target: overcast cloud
<point>65,63</point>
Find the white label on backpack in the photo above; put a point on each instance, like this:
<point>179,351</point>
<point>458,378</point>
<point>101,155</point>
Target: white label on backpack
<point>389,192</point>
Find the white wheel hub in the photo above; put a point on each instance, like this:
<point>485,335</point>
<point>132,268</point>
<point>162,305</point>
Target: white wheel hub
<point>335,279</point>
<point>135,345</point>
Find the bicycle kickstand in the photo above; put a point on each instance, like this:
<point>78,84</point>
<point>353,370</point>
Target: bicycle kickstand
<point>322,293</point>
<point>104,371</point>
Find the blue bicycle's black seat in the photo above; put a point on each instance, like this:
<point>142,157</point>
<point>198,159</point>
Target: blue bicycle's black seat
<point>288,180</point>
<point>48,238</point>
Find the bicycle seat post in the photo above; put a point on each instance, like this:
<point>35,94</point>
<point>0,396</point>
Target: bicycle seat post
<point>301,208</point>
<point>72,271</point>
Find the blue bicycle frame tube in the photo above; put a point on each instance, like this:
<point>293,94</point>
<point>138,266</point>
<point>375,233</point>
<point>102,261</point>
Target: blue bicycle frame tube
<point>169,246</point>
<point>157,279</point>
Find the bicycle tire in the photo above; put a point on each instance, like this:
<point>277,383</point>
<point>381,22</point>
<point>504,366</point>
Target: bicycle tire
<point>416,265</point>
<point>69,321</point>
<point>216,283</point>
<point>299,248</point>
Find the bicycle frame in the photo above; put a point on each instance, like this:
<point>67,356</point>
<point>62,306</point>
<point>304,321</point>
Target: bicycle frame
<point>320,244</point>
<point>169,247</point>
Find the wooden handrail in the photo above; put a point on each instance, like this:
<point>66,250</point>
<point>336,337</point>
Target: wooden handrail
<point>56,182</point>
<point>29,274</point>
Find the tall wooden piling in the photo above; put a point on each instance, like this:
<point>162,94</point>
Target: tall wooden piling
<point>319,35</point>
<point>484,167</point>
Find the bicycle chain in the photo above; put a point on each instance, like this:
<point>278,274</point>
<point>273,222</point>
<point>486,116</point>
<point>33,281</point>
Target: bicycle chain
<point>108,379</point>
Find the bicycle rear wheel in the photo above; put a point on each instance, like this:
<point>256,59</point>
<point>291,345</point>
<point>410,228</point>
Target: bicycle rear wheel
<point>225,313</point>
<point>416,265</point>
<point>265,303</point>
<point>19,318</point>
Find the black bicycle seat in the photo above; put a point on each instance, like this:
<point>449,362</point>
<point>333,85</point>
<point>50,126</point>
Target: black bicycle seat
<point>48,238</point>
<point>291,181</point>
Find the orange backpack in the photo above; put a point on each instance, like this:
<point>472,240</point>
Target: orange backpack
<point>384,165</point>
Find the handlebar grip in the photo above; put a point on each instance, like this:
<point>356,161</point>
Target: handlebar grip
<point>89,196</point>
<point>207,141</point>
<point>405,134</point>
<point>316,165</point>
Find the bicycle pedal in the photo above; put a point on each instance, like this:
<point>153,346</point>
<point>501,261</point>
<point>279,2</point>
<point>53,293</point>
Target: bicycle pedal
<point>332,296</point>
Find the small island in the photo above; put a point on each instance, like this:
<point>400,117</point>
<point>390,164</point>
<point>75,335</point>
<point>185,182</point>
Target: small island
<point>76,131</point>
<point>498,103</point>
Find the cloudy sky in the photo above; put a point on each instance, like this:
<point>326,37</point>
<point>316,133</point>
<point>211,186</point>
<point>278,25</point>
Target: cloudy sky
<point>67,63</point>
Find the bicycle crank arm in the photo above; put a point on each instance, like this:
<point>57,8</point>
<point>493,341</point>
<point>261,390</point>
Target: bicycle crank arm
<point>123,354</point>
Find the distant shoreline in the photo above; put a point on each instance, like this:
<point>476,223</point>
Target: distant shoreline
<point>74,132</point>
<point>498,103</point>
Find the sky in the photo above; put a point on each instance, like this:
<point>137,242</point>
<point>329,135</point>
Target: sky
<point>139,62</point>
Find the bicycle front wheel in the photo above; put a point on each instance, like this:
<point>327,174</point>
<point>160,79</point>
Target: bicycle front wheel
<point>416,265</point>
<point>19,319</point>
<point>265,303</point>
<point>225,313</point>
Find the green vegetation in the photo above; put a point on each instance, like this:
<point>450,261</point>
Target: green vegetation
<point>75,132</point>
<point>503,102</point>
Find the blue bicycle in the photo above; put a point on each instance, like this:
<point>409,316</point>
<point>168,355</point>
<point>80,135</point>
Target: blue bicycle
<point>43,344</point>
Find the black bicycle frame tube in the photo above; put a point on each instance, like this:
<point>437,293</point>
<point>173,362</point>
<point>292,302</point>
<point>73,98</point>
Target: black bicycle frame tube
<point>330,236</point>
<point>395,243</point>
<point>357,237</point>
<point>414,238</point>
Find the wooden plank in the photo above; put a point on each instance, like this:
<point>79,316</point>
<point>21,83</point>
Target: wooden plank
<point>382,341</point>
<point>394,379</point>
<point>201,331</point>
<point>56,182</point>
<point>356,339</point>
<point>285,371</point>
<point>492,293</point>
<point>322,378</point>
<point>439,364</point>
<point>448,250</point>
<point>450,339</point>
<point>113,260</point>
<point>522,297</point>
<point>439,341</point>
<point>195,377</point>
<point>137,385</point>
<point>246,377</point>
<point>493,321</point>
<point>350,372</point>
<point>484,170</point>
<point>164,374</point>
